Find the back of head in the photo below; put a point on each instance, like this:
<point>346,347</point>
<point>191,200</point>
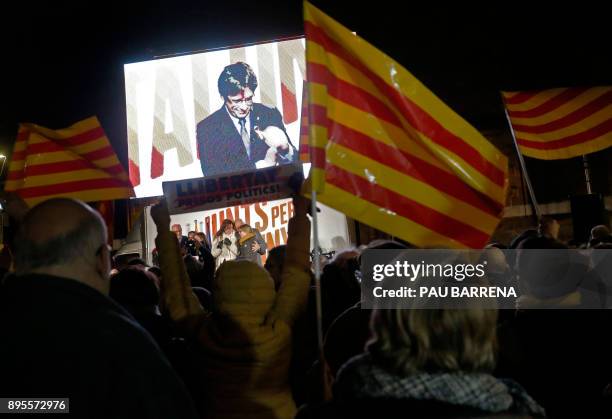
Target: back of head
<point>521,237</point>
<point>547,269</point>
<point>64,237</point>
<point>548,226</point>
<point>134,287</point>
<point>138,262</point>
<point>340,288</point>
<point>495,259</point>
<point>434,340</point>
<point>599,232</point>
<point>243,290</point>
<point>338,276</point>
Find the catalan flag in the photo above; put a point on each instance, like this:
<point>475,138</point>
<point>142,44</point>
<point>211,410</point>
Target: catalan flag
<point>561,123</point>
<point>387,152</point>
<point>304,144</point>
<point>76,162</point>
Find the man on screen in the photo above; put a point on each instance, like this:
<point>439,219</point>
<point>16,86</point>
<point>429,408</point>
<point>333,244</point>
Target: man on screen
<point>242,135</point>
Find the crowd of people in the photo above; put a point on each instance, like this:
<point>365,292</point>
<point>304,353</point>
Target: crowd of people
<point>211,333</point>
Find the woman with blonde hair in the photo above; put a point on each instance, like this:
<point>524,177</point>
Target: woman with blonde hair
<point>427,363</point>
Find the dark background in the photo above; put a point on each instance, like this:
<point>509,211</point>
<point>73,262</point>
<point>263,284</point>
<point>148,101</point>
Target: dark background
<point>64,62</point>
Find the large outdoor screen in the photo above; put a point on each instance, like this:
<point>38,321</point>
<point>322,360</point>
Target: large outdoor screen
<point>214,112</point>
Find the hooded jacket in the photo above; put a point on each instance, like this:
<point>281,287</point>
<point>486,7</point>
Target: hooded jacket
<point>246,340</point>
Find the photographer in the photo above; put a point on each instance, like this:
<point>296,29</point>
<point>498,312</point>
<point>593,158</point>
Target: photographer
<point>224,243</point>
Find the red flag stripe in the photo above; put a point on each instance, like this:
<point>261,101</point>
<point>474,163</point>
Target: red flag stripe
<point>69,187</point>
<point>99,154</point>
<point>347,92</point>
<point>520,97</point>
<point>61,167</point>
<point>570,119</point>
<point>317,157</point>
<point>84,137</point>
<point>50,147</point>
<point>407,208</point>
<point>22,136</point>
<point>78,139</point>
<point>582,137</point>
<point>351,94</point>
<point>550,105</point>
<point>40,148</point>
<point>318,116</point>
<point>415,116</point>
<point>18,155</point>
<point>414,167</point>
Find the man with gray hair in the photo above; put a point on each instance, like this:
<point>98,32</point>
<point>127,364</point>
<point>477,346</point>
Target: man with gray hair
<point>64,338</point>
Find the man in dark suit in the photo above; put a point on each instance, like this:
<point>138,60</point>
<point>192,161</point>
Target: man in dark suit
<point>242,135</point>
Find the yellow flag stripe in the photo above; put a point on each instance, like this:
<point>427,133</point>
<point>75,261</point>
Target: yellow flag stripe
<point>535,101</point>
<point>581,126</point>
<point>106,194</point>
<point>565,109</point>
<point>412,188</point>
<point>370,214</point>
<point>593,146</point>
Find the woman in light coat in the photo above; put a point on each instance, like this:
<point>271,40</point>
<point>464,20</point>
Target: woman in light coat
<point>224,244</point>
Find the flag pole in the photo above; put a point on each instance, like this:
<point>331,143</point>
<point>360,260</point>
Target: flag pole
<point>587,173</point>
<point>317,269</point>
<point>534,202</point>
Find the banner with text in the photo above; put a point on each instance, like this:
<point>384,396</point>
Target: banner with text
<point>232,189</point>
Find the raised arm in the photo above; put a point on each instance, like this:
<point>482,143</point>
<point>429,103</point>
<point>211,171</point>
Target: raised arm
<point>292,296</point>
<point>177,297</point>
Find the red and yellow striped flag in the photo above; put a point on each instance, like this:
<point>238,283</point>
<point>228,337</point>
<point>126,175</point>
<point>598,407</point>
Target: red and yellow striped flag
<point>304,145</point>
<point>561,123</point>
<point>76,162</point>
<point>387,152</point>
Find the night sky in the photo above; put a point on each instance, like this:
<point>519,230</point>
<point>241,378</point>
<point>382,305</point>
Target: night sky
<point>64,63</point>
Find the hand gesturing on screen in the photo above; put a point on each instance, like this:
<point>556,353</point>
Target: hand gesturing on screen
<point>276,139</point>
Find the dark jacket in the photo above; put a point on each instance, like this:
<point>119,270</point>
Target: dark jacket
<point>246,243</point>
<point>62,338</point>
<point>220,146</point>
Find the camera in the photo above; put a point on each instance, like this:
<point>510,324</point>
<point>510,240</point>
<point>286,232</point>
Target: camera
<point>190,245</point>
